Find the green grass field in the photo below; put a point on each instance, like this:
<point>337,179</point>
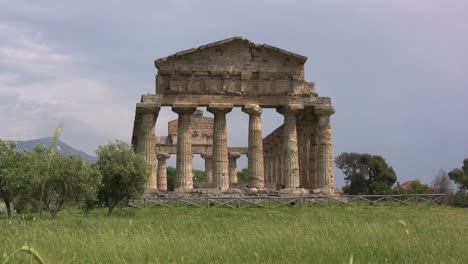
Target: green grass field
<point>287,235</point>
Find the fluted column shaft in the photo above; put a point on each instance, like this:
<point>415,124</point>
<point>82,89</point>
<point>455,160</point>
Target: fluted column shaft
<point>233,156</point>
<point>184,167</point>
<point>208,169</point>
<point>255,151</point>
<point>305,141</point>
<point>220,147</point>
<point>290,149</point>
<point>266,165</point>
<point>325,170</point>
<point>147,142</point>
<point>275,161</point>
<point>162,171</point>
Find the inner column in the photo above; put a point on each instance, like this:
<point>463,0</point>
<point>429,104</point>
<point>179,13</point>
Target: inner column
<point>162,171</point>
<point>233,156</point>
<point>208,169</point>
<point>220,147</point>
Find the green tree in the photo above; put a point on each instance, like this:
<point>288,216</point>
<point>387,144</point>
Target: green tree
<point>199,176</point>
<point>124,174</point>
<point>243,176</point>
<point>365,173</point>
<point>67,178</point>
<point>171,175</point>
<point>460,176</point>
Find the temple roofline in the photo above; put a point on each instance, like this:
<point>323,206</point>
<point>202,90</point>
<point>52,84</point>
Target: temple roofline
<point>157,62</point>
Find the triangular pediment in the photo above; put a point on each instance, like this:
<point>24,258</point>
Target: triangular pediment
<point>234,66</point>
<point>226,42</point>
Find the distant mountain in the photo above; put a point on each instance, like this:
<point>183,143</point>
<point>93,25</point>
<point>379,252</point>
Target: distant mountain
<point>65,149</point>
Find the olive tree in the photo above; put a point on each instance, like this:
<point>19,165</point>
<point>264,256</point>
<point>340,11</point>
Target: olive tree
<point>62,179</point>
<point>124,174</point>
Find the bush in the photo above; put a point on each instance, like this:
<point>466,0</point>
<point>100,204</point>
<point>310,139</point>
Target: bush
<point>458,200</point>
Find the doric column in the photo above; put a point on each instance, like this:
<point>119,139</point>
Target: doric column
<point>233,156</point>
<point>274,166</point>
<point>220,147</point>
<point>266,164</point>
<point>184,177</point>
<point>147,140</point>
<point>255,156</point>
<point>208,169</point>
<point>162,171</point>
<point>290,150</point>
<point>305,131</point>
<point>325,170</point>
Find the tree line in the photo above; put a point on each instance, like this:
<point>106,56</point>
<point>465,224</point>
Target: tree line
<point>44,179</point>
<point>370,174</point>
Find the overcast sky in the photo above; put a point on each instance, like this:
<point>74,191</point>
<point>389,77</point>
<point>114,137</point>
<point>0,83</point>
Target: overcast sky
<point>397,71</point>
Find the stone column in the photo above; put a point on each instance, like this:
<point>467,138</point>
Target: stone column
<point>325,170</point>
<point>147,141</point>
<point>220,147</point>
<point>184,168</point>
<point>289,145</point>
<point>266,165</point>
<point>313,153</point>
<point>233,156</point>
<point>274,167</point>
<point>255,156</point>
<point>305,132</point>
<point>162,171</point>
<point>208,169</point>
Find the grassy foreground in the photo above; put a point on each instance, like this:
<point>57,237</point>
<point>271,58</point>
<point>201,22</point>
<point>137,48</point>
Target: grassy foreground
<point>288,235</point>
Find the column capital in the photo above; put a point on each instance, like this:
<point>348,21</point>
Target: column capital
<point>324,111</point>
<point>162,156</point>
<point>252,109</point>
<point>290,109</point>
<point>206,155</point>
<point>219,108</point>
<point>184,108</point>
<point>234,155</point>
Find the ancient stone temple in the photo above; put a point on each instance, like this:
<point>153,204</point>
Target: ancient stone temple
<point>296,158</point>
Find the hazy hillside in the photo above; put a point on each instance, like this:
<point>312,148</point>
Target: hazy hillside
<point>66,149</point>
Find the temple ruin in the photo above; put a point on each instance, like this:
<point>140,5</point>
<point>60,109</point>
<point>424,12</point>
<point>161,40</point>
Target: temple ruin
<point>296,158</point>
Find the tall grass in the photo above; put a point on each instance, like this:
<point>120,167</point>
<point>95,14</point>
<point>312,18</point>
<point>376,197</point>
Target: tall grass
<point>303,235</point>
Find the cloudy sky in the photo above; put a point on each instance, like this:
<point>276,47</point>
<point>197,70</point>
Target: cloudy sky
<point>397,71</point>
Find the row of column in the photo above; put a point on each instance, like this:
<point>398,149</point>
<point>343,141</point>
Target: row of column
<point>232,171</point>
<point>162,169</point>
<point>314,152</point>
<point>283,160</point>
<point>217,167</point>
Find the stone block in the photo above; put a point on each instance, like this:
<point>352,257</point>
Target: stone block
<point>214,86</point>
<point>282,87</point>
<point>177,85</point>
